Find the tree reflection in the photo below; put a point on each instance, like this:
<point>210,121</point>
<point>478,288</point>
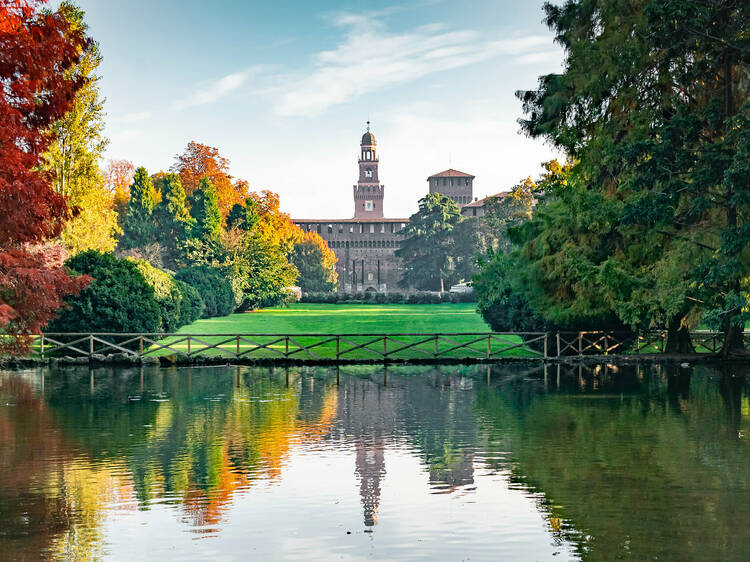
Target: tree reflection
<point>617,465</point>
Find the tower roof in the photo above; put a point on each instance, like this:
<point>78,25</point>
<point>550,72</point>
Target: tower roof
<point>368,138</point>
<point>451,173</point>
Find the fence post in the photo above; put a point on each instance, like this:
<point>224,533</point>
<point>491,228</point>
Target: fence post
<point>338,347</point>
<point>436,345</point>
<point>385,346</point>
<point>606,344</point>
<point>188,346</point>
<point>286,346</point>
<point>489,346</point>
<point>91,344</point>
<point>238,346</point>
<point>638,342</point>
<point>41,346</point>
<point>546,335</point>
<point>140,345</point>
<point>558,344</point>
<point>580,344</point>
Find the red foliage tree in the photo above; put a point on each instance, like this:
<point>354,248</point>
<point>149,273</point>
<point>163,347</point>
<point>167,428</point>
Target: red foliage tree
<point>36,49</point>
<point>201,161</point>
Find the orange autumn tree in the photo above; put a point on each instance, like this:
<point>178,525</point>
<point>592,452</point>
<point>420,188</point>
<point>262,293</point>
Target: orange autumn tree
<point>316,264</point>
<point>37,49</point>
<point>202,161</point>
<point>119,174</point>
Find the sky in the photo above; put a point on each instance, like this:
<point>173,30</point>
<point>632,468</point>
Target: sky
<point>283,89</point>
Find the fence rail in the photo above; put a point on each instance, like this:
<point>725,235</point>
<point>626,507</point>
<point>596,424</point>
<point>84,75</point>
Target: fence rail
<point>340,347</point>
<point>347,347</point>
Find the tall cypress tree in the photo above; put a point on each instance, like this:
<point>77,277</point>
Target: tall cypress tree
<point>171,215</point>
<point>139,228</point>
<point>205,211</point>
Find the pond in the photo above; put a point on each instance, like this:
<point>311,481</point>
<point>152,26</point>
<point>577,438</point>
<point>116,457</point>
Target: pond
<point>509,462</point>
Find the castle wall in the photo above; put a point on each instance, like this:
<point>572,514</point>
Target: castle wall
<point>365,250</point>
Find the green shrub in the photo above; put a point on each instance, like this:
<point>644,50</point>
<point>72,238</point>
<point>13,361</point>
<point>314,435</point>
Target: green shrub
<point>212,286</point>
<point>167,293</point>
<point>192,305</point>
<point>118,299</point>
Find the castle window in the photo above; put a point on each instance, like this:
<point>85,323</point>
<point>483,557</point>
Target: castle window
<point>382,228</point>
<point>368,173</point>
<point>372,229</point>
<point>330,228</point>
<point>473,211</point>
<point>351,229</point>
<point>392,227</point>
<point>341,228</point>
<point>318,229</point>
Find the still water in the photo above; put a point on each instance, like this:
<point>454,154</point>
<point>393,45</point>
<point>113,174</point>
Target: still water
<point>430,463</point>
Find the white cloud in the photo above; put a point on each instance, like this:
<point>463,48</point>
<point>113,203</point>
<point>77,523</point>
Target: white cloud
<point>370,58</point>
<point>216,90</point>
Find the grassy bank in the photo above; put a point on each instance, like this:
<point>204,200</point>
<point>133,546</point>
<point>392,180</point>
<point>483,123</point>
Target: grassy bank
<point>350,319</point>
<point>346,319</point>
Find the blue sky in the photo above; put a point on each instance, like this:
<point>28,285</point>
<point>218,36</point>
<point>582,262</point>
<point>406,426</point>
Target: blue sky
<point>284,88</point>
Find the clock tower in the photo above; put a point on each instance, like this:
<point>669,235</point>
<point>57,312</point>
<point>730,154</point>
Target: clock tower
<point>368,193</point>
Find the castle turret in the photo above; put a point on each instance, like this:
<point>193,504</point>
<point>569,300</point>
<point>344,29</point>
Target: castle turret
<point>368,193</point>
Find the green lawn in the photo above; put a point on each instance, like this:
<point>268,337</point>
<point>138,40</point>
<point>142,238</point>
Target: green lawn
<point>348,319</point>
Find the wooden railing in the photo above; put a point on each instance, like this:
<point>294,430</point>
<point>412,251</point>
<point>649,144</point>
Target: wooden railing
<point>339,347</point>
<point>358,347</point>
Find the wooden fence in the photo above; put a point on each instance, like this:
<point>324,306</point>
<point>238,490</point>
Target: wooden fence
<point>357,347</point>
<point>339,347</point>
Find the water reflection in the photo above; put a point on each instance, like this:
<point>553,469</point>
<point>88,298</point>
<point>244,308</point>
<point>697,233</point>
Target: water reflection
<point>509,462</point>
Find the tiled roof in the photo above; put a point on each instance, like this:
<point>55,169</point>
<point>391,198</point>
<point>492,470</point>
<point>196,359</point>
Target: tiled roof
<point>451,173</point>
<point>481,202</point>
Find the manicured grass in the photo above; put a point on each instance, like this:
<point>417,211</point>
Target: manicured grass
<point>347,319</point>
<point>350,319</point>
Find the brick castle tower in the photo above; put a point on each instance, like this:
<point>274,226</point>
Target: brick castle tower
<point>368,193</point>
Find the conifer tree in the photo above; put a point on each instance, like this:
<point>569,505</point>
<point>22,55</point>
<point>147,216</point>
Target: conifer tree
<point>172,217</point>
<point>205,210</point>
<point>427,250</point>
<point>139,227</point>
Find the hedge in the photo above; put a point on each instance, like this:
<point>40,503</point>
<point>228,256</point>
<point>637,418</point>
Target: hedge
<point>212,286</point>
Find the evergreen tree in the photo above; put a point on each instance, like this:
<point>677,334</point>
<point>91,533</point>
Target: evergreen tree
<point>653,104</point>
<point>172,217</point>
<point>205,211</point>
<point>244,216</point>
<point>428,246</point>
<point>140,229</point>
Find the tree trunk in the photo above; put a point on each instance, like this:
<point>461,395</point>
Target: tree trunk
<point>678,339</point>
<point>732,339</point>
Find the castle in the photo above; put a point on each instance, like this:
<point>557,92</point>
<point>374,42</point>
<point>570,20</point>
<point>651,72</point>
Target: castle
<point>366,245</point>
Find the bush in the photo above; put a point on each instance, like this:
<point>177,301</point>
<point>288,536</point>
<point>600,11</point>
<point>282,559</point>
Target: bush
<point>212,286</point>
<point>424,297</point>
<point>118,299</point>
<point>167,293</point>
<point>192,305</point>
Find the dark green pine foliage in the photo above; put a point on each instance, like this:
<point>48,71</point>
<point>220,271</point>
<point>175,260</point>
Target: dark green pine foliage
<point>244,216</point>
<point>205,210</point>
<point>654,105</point>
<point>427,248</point>
<point>172,217</point>
<point>139,228</point>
